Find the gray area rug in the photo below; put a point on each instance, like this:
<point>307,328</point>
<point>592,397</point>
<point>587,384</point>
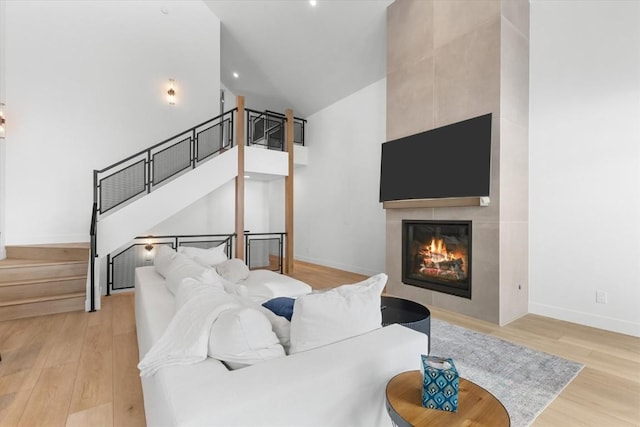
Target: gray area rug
<point>524,380</point>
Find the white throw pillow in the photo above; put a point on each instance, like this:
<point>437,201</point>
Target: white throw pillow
<point>339,313</point>
<point>280,325</point>
<point>243,336</point>
<point>263,285</point>
<point>233,270</point>
<point>164,255</point>
<point>180,268</point>
<point>208,257</point>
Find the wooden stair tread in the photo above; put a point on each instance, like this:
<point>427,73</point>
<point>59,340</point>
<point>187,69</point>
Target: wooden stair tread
<point>19,262</point>
<point>75,245</point>
<point>42,299</point>
<point>56,251</point>
<point>43,280</point>
<point>40,308</point>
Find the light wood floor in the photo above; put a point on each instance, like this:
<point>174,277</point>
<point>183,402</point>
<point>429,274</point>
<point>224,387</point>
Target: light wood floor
<point>79,369</point>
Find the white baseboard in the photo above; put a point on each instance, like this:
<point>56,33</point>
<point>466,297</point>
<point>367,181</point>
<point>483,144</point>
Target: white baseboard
<point>588,319</point>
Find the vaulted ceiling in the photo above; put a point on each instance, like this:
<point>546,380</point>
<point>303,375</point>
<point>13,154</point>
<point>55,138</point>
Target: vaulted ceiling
<point>289,54</point>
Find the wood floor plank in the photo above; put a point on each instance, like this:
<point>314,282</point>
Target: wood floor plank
<point>97,416</point>
<point>26,362</point>
<point>104,316</point>
<point>12,383</point>
<point>49,401</point>
<point>68,347</point>
<point>94,381</point>
<point>128,406</point>
<point>123,313</point>
<point>17,333</point>
<point>10,417</point>
<point>565,413</point>
<point>621,400</point>
<point>320,277</point>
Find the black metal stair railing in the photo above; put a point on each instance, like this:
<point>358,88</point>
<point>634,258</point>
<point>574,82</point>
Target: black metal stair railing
<point>141,173</point>
<point>146,170</point>
<point>93,254</point>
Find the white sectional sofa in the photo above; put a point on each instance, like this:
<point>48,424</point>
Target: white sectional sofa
<point>339,384</point>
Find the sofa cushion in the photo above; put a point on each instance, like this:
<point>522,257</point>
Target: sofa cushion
<point>243,336</point>
<point>208,257</point>
<point>282,306</point>
<point>233,270</point>
<point>325,317</point>
<point>162,260</point>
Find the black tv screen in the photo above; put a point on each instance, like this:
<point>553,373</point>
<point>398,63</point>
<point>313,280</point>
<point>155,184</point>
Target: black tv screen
<point>450,161</point>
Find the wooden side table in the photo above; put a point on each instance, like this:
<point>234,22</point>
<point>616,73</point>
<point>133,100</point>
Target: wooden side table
<point>476,406</point>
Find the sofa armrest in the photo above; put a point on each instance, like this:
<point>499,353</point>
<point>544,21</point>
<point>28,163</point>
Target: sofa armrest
<point>339,384</point>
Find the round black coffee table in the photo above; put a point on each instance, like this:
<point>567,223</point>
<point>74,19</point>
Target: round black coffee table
<point>407,313</point>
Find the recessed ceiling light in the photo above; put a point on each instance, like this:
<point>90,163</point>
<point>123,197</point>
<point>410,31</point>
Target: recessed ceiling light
<point>247,176</point>
<point>313,2</point>
<point>235,75</point>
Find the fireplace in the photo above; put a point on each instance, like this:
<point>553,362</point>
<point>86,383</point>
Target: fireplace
<point>436,255</point>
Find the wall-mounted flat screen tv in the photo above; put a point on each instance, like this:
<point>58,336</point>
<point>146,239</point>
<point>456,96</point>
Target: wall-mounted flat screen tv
<point>450,161</point>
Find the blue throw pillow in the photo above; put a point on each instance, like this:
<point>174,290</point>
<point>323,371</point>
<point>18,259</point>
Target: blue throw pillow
<point>282,306</point>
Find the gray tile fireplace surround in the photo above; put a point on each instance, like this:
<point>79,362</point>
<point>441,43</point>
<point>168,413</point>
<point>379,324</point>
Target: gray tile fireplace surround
<point>447,62</point>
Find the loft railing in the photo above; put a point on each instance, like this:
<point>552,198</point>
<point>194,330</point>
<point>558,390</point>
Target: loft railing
<point>298,130</point>
<point>264,250</point>
<point>146,170</point>
<point>121,265</point>
<point>267,129</point>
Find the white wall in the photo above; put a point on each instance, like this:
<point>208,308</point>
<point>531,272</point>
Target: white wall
<point>276,205</point>
<point>86,87</point>
<point>3,8</point>
<point>338,220</point>
<point>215,213</point>
<point>585,162</point>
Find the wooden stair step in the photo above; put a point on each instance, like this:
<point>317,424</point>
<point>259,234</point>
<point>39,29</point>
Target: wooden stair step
<point>42,299</point>
<point>25,289</point>
<point>12,270</point>
<point>40,307</point>
<point>59,252</point>
<point>43,279</point>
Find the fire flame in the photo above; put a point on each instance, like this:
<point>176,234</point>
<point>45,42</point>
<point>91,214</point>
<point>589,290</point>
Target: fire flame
<point>436,252</point>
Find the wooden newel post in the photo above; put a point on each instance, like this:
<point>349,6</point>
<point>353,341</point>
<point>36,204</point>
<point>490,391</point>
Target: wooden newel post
<point>240,142</point>
<point>288,196</point>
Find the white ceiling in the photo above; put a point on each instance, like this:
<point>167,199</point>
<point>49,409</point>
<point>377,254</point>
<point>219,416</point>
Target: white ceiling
<point>289,54</point>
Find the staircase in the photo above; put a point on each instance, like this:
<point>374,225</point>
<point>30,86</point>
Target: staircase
<point>43,279</point>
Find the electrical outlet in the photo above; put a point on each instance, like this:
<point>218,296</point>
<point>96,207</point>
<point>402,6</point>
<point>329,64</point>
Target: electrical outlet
<point>601,297</point>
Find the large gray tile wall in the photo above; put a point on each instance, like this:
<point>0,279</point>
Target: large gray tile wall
<point>446,62</point>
